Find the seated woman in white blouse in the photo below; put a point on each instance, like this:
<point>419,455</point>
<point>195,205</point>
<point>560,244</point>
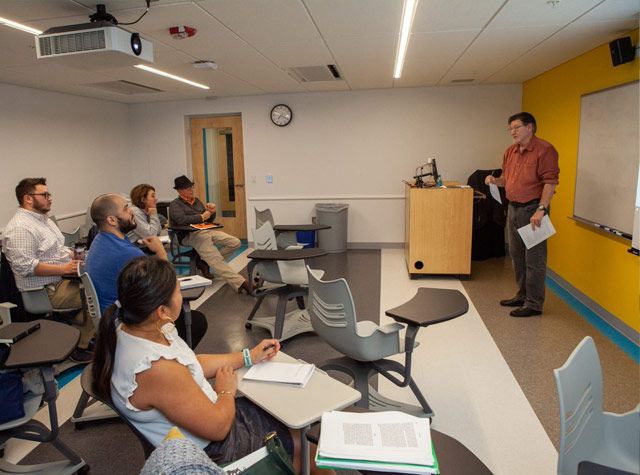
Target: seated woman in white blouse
<point>156,381</point>
<point>148,221</point>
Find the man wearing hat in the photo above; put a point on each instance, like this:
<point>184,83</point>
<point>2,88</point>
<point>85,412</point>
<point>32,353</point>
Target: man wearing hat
<point>186,210</point>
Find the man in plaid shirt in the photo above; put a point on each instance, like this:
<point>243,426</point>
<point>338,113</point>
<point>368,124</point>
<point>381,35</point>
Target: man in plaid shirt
<point>34,247</point>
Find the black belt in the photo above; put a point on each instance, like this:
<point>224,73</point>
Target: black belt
<point>522,205</point>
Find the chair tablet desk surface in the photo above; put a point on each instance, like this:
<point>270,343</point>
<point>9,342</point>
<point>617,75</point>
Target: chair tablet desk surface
<point>283,228</point>
<point>52,343</point>
<point>298,408</point>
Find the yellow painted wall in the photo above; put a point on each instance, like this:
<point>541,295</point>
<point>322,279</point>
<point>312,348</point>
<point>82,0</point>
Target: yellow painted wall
<point>595,262</point>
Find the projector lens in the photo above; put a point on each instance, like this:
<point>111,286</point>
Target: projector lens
<point>136,44</point>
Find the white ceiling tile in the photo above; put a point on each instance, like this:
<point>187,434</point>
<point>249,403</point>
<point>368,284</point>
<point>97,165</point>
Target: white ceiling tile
<point>452,15</point>
<point>259,21</point>
<point>356,17</point>
<point>518,13</point>
<point>494,49</point>
<point>614,10</point>
<point>298,53</point>
<point>431,54</point>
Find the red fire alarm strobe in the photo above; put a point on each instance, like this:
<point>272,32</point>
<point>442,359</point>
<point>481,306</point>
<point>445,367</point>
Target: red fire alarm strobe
<point>180,32</point>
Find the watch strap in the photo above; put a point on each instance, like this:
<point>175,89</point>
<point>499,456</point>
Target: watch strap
<point>247,357</point>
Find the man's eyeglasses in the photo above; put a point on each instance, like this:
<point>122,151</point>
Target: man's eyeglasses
<point>46,195</point>
<point>514,129</point>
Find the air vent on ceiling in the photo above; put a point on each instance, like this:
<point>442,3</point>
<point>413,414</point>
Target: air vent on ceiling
<point>123,87</point>
<point>316,73</point>
<point>462,80</point>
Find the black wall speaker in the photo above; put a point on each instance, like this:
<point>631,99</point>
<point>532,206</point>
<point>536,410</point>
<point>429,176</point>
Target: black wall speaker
<point>622,51</point>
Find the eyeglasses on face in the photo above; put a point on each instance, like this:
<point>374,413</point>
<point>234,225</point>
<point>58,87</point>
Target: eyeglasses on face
<point>514,129</point>
<point>47,196</point>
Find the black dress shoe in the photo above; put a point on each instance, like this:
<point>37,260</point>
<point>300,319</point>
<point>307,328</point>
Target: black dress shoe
<point>525,312</point>
<point>514,302</point>
<point>204,268</point>
<point>81,356</point>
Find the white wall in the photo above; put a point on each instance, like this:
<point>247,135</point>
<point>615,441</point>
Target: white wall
<point>80,145</point>
<point>354,147</point>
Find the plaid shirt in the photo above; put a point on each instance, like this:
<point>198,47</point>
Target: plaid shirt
<point>28,239</point>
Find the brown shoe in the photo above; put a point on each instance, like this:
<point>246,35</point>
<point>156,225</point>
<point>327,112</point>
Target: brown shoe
<point>204,268</point>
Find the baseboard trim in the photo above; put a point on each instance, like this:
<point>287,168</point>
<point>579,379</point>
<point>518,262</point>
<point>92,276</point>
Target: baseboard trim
<point>607,317</point>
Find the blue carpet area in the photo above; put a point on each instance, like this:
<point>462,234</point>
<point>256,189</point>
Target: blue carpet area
<point>618,339</point>
<point>68,375</point>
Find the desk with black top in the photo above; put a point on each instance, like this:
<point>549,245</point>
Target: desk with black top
<point>282,325</point>
<point>453,457</point>
<point>52,343</point>
<point>284,228</point>
<point>190,229</point>
<point>428,307</point>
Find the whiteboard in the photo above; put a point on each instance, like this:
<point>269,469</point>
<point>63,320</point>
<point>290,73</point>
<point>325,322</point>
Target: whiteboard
<point>608,158</point>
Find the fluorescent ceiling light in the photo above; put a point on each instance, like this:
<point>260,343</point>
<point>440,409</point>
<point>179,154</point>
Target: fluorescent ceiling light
<point>407,21</point>
<point>171,76</point>
<point>18,26</point>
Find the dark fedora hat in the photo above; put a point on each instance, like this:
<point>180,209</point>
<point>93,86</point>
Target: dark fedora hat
<point>181,183</point>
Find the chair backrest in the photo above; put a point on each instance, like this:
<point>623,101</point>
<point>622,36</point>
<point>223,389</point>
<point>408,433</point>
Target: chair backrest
<point>86,381</point>
<point>9,291</point>
<point>333,314</point>
<point>289,272</point>
<point>72,237</point>
<point>91,297</point>
<point>262,217</point>
<point>579,383</point>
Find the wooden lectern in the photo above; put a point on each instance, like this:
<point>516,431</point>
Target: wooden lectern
<point>437,230</point>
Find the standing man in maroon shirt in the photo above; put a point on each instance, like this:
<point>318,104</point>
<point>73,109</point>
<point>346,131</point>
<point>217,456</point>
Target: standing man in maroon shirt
<point>529,174</point>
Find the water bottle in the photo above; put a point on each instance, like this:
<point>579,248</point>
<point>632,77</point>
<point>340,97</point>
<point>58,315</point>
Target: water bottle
<point>439,181</point>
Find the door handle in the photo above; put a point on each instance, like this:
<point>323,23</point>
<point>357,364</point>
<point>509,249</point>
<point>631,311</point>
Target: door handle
<point>239,184</point>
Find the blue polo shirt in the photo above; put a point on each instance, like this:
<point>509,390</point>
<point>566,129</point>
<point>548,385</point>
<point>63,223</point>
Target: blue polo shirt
<point>107,255</point>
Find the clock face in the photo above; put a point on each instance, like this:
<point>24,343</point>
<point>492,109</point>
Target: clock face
<point>281,115</point>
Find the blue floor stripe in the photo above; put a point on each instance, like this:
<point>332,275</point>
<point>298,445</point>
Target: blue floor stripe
<point>617,338</point>
<point>68,375</point>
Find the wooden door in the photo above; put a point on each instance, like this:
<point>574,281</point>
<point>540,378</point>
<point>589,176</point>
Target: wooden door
<point>218,169</point>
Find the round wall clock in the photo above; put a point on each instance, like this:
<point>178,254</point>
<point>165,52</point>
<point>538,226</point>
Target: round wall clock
<point>281,115</point>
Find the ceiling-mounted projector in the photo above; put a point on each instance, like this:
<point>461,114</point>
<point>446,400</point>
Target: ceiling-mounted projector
<point>96,45</point>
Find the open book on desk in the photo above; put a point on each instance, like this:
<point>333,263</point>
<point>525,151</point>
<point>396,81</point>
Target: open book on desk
<point>380,441</point>
<point>292,374</point>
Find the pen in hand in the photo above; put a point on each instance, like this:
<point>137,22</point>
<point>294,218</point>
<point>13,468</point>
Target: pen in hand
<point>268,347</point>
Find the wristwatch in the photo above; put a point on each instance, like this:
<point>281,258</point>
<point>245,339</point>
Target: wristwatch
<point>542,207</point>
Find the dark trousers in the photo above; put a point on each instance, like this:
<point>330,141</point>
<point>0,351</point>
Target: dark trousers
<point>529,265</point>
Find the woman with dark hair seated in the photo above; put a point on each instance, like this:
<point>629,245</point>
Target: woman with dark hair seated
<point>156,381</point>
<point>148,221</point>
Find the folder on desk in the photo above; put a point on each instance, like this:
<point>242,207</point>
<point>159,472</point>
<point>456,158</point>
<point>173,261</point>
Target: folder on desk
<point>205,226</point>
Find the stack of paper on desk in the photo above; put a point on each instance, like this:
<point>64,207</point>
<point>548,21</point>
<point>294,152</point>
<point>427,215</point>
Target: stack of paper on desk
<point>378,441</point>
<point>286,373</point>
<point>193,281</point>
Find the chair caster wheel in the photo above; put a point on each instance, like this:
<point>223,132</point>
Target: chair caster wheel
<point>247,326</point>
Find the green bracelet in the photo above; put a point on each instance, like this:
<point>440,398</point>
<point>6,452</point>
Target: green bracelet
<point>247,357</point>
